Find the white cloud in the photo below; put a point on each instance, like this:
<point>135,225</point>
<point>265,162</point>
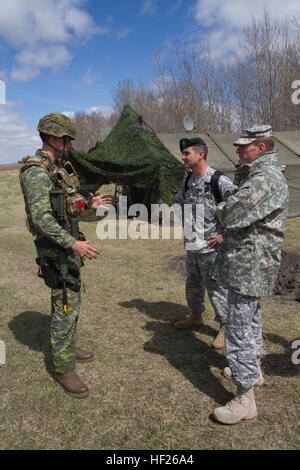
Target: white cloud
<point>17,138</point>
<point>31,61</point>
<point>41,30</point>
<point>69,114</point>
<point>238,14</point>
<point>52,21</point>
<point>87,79</point>
<point>23,74</point>
<point>124,33</point>
<point>82,24</point>
<point>225,20</point>
<point>149,7</point>
<point>105,110</point>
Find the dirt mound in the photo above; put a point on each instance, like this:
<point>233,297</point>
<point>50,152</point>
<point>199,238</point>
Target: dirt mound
<point>288,281</point>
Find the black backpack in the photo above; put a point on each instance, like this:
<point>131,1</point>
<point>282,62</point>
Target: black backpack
<point>214,185</point>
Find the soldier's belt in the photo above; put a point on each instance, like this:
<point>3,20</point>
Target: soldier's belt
<point>44,242</point>
<point>52,277</point>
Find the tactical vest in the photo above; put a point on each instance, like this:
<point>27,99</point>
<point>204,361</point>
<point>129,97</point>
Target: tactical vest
<point>63,177</point>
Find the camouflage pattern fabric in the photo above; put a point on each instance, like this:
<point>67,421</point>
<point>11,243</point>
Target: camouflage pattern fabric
<point>199,192</point>
<point>198,279</point>
<point>63,329</point>
<point>57,124</point>
<point>36,185</point>
<point>63,325</point>
<point>199,257</point>
<point>254,217</point>
<point>243,338</point>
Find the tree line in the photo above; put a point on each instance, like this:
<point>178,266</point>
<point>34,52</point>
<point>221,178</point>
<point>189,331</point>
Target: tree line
<point>222,96</point>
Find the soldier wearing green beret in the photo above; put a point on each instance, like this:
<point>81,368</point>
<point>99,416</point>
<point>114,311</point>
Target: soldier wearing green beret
<point>53,203</point>
<point>203,187</point>
<point>254,218</point>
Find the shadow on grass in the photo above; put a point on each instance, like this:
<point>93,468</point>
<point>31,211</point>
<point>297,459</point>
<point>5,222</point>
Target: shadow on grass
<point>280,364</point>
<point>32,329</point>
<point>184,351</point>
<point>164,311</point>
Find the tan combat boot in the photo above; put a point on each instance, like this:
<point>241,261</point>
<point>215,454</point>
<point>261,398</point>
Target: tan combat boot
<point>192,322</point>
<point>227,373</point>
<point>72,385</point>
<point>242,406</point>
<point>219,341</point>
<point>83,356</point>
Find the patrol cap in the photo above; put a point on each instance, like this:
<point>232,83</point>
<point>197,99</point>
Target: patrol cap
<point>184,143</point>
<point>257,132</point>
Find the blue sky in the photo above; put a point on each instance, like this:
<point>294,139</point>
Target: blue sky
<point>68,55</point>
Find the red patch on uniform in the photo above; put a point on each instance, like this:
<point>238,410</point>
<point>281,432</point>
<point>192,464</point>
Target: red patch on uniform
<point>80,205</point>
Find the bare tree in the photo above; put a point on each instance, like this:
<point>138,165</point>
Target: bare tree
<point>222,97</point>
<point>265,71</point>
<point>91,128</point>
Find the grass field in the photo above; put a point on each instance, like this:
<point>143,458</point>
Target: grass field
<point>152,387</point>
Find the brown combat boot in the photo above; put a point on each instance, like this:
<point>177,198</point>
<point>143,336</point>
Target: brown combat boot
<point>83,356</point>
<point>193,322</point>
<point>72,385</point>
<point>219,341</point>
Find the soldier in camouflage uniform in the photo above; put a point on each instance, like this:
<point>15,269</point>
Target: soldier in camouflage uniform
<point>206,235</point>
<point>45,178</point>
<point>254,218</point>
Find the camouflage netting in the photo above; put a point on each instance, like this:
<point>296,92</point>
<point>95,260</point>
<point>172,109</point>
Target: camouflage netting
<point>132,155</point>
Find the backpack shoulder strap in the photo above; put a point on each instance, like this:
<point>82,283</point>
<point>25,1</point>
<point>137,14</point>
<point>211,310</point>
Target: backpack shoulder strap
<point>186,182</point>
<point>214,184</point>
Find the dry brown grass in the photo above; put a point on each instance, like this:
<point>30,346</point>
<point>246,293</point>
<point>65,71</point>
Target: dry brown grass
<point>153,387</point>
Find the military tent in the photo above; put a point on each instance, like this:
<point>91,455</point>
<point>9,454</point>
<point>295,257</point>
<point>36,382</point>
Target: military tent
<point>150,167</point>
<point>133,156</point>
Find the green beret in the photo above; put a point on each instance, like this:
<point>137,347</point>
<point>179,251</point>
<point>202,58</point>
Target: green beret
<point>184,143</point>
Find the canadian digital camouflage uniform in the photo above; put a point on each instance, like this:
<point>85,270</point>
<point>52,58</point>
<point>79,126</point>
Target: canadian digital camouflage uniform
<point>199,257</point>
<point>36,185</point>
<point>248,261</point>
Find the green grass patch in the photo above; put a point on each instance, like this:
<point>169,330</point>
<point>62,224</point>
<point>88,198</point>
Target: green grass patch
<point>152,386</point>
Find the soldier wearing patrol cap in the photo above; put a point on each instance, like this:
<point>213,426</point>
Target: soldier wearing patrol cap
<point>53,203</point>
<point>203,187</point>
<point>247,264</point>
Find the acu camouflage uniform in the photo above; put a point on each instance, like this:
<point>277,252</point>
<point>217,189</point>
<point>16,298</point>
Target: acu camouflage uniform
<point>248,261</point>
<point>38,177</point>
<point>199,257</point>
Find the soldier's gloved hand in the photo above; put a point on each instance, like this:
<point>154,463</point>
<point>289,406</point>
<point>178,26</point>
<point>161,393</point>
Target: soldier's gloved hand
<point>214,241</point>
<point>95,201</point>
<point>84,250</point>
